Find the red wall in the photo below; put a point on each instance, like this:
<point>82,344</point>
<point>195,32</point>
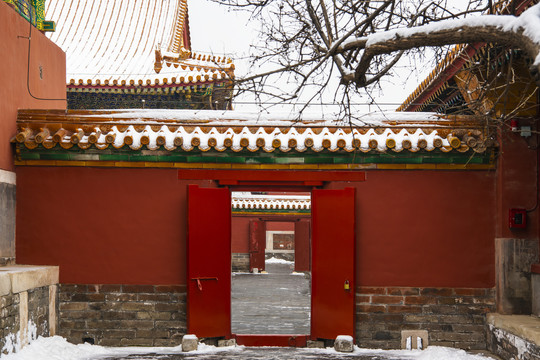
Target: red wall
<point>425,228</point>
<point>240,233</point>
<point>14,66</point>
<point>101,225</point>
<point>517,184</point>
<point>106,226</point>
<point>279,226</point>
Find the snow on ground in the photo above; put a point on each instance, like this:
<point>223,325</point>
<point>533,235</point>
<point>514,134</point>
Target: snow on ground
<point>431,353</point>
<point>57,348</point>
<point>278,261</point>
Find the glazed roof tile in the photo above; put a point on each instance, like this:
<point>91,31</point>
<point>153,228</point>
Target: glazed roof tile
<point>184,130</point>
<point>117,43</point>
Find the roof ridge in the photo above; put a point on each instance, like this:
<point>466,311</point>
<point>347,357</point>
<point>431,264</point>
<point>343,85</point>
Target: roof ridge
<point>177,39</point>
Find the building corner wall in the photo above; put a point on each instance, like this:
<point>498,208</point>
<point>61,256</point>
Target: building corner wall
<point>516,249</point>
<point>28,304</point>
<point>7,217</point>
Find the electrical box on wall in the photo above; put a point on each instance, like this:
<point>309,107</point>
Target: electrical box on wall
<point>518,218</point>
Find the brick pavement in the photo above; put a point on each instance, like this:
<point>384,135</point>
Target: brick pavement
<point>273,303</point>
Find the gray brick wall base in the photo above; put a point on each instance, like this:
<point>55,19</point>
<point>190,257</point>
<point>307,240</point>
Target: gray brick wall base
<point>123,315</point>
<point>240,262</point>
<point>453,317</point>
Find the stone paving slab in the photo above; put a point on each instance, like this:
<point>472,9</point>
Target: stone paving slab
<point>274,303</point>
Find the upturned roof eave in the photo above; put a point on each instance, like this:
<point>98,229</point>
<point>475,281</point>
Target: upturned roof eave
<point>453,63</point>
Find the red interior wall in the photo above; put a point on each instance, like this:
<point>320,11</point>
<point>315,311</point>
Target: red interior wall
<point>108,226</point>
<point>279,226</point>
<point>425,228</point>
<point>14,67</point>
<point>240,234</point>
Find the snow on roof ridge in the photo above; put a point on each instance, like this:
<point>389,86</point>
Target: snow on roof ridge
<point>275,118</point>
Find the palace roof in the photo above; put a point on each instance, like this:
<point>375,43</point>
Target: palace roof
<point>435,92</point>
<point>111,44</point>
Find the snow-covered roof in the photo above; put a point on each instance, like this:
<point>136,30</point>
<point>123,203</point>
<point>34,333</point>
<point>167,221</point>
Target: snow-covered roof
<point>248,201</point>
<point>186,130</point>
<point>123,43</point>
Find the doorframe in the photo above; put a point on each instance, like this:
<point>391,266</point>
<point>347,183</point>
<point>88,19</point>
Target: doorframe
<point>278,180</point>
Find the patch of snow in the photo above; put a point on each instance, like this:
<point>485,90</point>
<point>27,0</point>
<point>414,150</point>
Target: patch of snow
<point>344,338</point>
<point>431,353</point>
<point>274,260</point>
<point>12,343</point>
<point>452,24</point>
<point>58,348</point>
<point>253,118</point>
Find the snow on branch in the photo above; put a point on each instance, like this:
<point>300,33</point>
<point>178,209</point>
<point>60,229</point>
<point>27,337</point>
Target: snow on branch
<point>515,31</point>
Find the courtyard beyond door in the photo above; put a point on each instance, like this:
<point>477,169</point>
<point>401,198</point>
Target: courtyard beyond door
<point>276,302</point>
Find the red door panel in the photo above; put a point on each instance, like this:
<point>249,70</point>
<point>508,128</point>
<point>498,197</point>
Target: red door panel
<point>333,253</point>
<point>257,244</point>
<point>302,246</point>
<point>209,262</point>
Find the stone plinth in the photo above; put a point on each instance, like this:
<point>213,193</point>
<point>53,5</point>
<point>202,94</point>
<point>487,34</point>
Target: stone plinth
<point>189,343</point>
<point>344,343</point>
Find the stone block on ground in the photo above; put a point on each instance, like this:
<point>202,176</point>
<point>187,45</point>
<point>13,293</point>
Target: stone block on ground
<point>315,344</point>
<point>228,342</point>
<point>344,343</point>
<point>419,339</point>
<point>189,343</point>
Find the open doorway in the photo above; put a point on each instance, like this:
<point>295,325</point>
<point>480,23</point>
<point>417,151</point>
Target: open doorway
<point>208,265</point>
<point>271,277</point>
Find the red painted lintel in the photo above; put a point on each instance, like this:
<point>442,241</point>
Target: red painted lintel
<point>269,183</point>
<point>272,340</point>
<point>300,177</point>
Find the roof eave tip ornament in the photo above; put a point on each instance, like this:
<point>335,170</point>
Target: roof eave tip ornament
<point>158,64</point>
<point>184,53</point>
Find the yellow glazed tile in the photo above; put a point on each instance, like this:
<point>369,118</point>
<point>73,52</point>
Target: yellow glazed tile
<point>217,166</point>
<point>275,166</point>
<point>304,166</point>
<point>189,165</point>
<point>391,166</point>
<point>41,162</point>
<point>245,166</point>
<point>333,166</point>
<point>101,163</point>
<point>421,166</point>
<point>129,164</point>
<point>70,163</point>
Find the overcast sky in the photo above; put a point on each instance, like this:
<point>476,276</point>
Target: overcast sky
<point>219,30</point>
